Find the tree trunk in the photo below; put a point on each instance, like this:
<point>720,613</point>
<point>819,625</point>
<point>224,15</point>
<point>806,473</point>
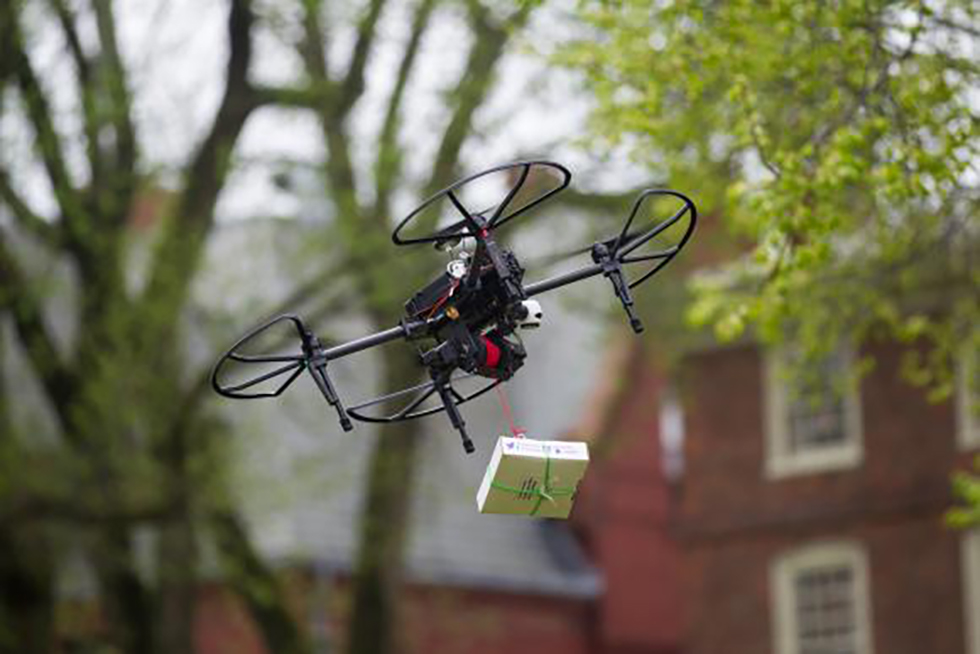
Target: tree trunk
<point>177,565</point>
<point>384,521</point>
<point>255,583</point>
<point>125,600</point>
<point>26,592</point>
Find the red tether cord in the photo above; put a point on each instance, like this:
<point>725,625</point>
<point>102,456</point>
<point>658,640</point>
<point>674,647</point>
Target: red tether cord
<point>515,431</point>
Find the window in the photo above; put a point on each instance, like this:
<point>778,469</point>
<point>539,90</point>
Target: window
<point>970,550</point>
<point>813,421</point>
<point>672,435</point>
<point>968,401</point>
<point>820,601</point>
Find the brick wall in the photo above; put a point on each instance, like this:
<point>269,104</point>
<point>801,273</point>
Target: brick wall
<point>914,587</point>
<point>471,622</point>
<point>222,625</point>
<point>734,521</point>
<point>454,621</point>
<point>624,514</point>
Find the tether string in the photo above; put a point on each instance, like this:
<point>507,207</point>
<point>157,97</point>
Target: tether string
<point>515,431</point>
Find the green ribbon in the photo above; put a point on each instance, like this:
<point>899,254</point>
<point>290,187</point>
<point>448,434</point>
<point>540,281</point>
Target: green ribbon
<point>544,493</point>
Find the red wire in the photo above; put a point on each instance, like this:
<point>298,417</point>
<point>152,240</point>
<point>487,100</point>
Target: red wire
<point>516,432</point>
<point>442,300</point>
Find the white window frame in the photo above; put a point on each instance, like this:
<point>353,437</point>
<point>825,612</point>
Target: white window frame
<point>967,421</point>
<point>782,578</point>
<point>970,567</point>
<point>671,428</point>
<point>780,460</point>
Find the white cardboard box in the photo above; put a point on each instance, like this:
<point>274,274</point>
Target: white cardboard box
<point>531,477</point>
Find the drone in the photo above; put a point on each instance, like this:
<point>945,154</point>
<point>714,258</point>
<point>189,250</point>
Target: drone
<point>466,322</point>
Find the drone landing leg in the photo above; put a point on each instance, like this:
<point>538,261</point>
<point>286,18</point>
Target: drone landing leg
<point>319,373</point>
<point>446,393</point>
<point>623,293</point>
<point>612,268</point>
<point>317,364</point>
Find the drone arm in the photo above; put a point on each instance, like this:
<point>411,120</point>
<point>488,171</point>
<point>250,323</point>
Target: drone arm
<point>404,330</point>
<point>610,267</point>
<point>562,280</point>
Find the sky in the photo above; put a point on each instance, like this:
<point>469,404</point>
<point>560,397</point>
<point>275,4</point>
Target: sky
<point>175,51</point>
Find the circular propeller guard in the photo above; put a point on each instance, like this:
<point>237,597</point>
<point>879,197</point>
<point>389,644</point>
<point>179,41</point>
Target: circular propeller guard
<point>630,239</point>
<point>414,399</point>
<point>493,216</point>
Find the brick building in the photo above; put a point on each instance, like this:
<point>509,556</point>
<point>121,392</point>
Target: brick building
<point>812,525</point>
<point>624,511</point>
<point>502,583</point>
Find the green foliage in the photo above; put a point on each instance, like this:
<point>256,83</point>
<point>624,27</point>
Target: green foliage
<point>837,140</point>
<point>838,143</point>
<point>966,488</point>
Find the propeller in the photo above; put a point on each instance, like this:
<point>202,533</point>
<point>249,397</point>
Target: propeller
<point>312,358</point>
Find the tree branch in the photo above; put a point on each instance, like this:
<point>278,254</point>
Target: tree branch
<point>25,309</point>
<point>353,85</point>
<point>83,69</point>
<point>388,164</point>
<point>312,96</point>
<point>48,142</point>
<point>180,248</point>
<point>472,88</point>
<point>313,47</point>
<point>33,223</point>
<point>340,173</point>
<point>954,25</point>
<point>121,114</point>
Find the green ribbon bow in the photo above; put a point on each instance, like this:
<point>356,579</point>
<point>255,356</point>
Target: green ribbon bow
<point>546,492</point>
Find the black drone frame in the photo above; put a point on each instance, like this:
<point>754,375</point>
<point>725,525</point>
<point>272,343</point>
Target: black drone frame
<point>468,315</point>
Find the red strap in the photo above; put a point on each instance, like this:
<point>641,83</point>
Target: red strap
<point>493,353</point>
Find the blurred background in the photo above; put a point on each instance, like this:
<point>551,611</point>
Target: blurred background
<point>780,463</point>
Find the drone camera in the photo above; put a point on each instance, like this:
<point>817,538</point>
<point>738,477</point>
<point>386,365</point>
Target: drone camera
<point>532,314</point>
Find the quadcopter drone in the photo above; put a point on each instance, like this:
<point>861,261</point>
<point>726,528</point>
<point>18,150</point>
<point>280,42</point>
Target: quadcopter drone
<point>466,322</point>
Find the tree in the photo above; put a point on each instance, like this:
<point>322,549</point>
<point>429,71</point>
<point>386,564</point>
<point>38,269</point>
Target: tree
<point>112,465</point>
<point>838,142</point>
<point>149,462</point>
